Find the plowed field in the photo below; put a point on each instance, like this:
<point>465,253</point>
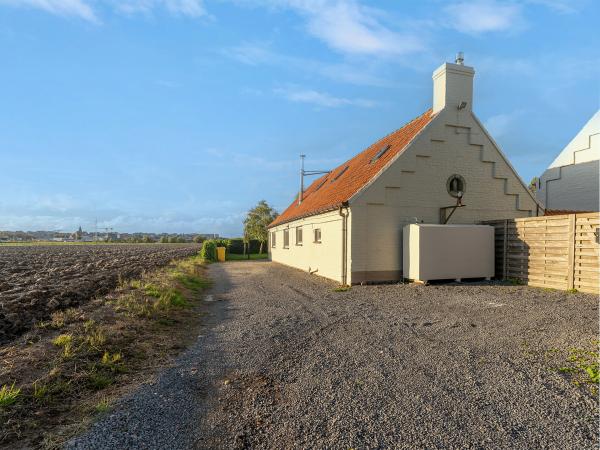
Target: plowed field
<point>36,281</point>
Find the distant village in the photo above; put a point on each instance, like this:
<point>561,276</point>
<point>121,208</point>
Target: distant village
<point>102,236</point>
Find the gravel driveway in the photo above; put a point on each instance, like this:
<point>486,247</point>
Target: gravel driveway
<point>286,362</point>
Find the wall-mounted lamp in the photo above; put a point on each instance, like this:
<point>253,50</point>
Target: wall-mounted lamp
<point>462,105</point>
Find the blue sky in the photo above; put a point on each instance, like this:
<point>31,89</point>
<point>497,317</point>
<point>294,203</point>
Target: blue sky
<point>179,115</point>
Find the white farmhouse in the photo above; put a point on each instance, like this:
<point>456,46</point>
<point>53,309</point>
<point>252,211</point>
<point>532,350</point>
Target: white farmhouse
<point>572,182</point>
<point>347,226</point>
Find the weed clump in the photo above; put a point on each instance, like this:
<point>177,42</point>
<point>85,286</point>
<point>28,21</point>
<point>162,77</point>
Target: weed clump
<point>99,380</point>
<point>102,406</point>
<point>584,367</point>
<point>66,342</point>
<point>9,395</point>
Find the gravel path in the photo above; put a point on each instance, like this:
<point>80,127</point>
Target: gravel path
<point>286,362</point>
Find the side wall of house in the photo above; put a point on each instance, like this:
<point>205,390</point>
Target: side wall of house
<point>324,258</point>
<point>413,188</point>
<point>574,187</point>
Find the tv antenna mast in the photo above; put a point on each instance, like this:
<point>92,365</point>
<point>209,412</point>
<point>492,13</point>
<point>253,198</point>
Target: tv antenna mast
<point>306,173</point>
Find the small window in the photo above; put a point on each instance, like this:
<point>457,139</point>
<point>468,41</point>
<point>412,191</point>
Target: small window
<point>380,153</point>
<point>298,235</point>
<point>317,233</point>
<point>273,238</point>
<point>286,238</point>
<point>340,174</point>
<point>456,186</point>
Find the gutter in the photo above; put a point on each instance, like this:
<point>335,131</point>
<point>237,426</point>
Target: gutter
<point>305,215</point>
<point>344,216</point>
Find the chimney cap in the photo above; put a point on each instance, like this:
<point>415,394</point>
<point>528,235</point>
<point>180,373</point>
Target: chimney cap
<point>460,58</point>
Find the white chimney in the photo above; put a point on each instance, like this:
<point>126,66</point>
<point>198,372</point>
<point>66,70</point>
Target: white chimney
<point>453,86</point>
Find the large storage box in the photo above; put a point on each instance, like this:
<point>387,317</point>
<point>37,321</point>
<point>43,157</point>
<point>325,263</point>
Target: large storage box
<point>441,252</point>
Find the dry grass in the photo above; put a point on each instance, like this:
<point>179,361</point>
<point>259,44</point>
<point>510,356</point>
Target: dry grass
<point>69,369</point>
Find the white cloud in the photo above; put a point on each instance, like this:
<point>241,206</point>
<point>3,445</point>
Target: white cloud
<point>483,16</point>
<point>83,9</point>
<point>190,8</point>
<point>348,27</point>
<point>255,54</point>
<point>75,8</point>
<point>500,124</point>
<point>301,95</point>
<point>560,6</point>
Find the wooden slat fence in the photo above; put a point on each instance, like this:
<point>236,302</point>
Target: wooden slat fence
<point>560,252</point>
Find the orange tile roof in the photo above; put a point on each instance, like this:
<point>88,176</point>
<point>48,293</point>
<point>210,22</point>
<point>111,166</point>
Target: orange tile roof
<point>328,193</point>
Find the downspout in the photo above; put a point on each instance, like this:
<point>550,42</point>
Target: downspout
<point>344,242</point>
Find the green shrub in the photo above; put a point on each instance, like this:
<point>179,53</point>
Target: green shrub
<point>223,243</point>
<point>209,250</point>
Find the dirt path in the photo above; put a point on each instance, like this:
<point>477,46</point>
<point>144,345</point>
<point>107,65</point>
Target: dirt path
<point>286,362</point>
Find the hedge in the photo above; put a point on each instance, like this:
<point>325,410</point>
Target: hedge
<point>209,250</point>
<point>237,246</point>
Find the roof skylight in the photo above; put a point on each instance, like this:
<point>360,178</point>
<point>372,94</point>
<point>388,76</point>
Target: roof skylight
<point>340,174</point>
<point>320,184</point>
<point>380,153</point>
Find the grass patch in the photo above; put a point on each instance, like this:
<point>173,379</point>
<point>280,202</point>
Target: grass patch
<point>99,380</point>
<point>102,406</point>
<point>171,298</point>
<point>342,288</point>
<point>583,367</point>
<point>253,256</point>
<point>9,395</point>
<point>152,290</point>
<point>65,341</point>
<point>40,392</point>
<point>101,350</point>
<point>191,282</point>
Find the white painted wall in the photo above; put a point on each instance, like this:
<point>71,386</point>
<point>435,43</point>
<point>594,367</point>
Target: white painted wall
<point>571,182</point>
<point>414,188</point>
<point>325,258</point>
<point>584,147</point>
<point>575,187</point>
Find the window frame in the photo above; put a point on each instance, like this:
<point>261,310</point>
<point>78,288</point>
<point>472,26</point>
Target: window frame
<point>286,238</point>
<point>461,180</point>
<point>380,153</point>
<point>299,233</point>
<point>315,240</point>
<point>273,239</point>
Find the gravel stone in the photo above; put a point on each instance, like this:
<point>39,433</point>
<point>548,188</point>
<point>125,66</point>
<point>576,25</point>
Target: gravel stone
<point>286,362</point>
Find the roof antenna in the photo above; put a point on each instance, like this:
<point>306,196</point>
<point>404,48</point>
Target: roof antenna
<point>460,58</point>
<point>301,193</point>
<point>304,173</point>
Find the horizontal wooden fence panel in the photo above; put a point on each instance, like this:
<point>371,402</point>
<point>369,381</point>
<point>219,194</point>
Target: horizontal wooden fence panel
<point>560,252</point>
